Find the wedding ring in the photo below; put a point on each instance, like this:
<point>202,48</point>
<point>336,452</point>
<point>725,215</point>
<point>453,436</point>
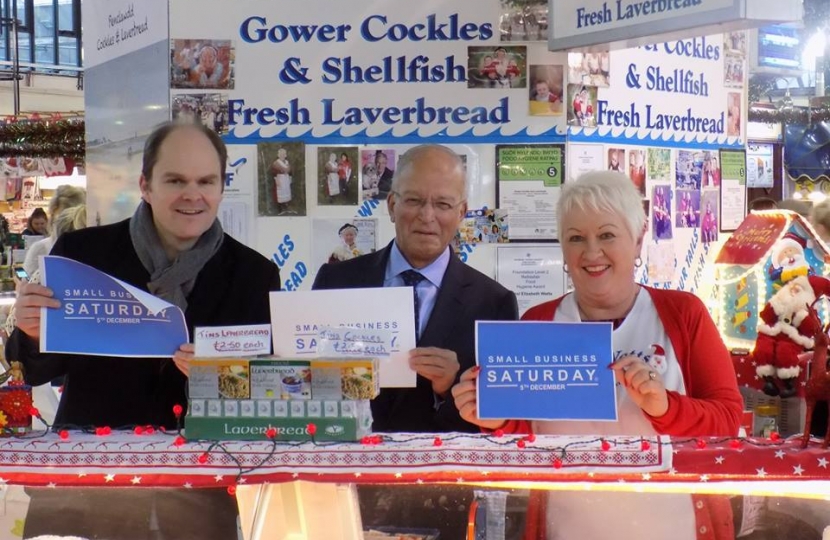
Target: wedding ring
<point>652,375</point>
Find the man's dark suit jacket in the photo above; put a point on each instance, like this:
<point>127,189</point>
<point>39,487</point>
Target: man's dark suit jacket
<point>232,288</point>
<point>466,295</point>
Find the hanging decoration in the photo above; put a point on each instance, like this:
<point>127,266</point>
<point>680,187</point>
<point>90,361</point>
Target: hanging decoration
<point>36,138</point>
<point>796,115</point>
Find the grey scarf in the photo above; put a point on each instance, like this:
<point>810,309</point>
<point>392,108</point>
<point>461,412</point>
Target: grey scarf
<point>171,281</point>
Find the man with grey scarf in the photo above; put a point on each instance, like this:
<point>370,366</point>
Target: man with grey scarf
<point>174,248</point>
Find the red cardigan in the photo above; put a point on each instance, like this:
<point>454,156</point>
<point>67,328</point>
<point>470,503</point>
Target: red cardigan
<point>712,404</point>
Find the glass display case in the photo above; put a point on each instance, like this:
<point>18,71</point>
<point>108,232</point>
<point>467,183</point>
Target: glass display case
<point>423,486</point>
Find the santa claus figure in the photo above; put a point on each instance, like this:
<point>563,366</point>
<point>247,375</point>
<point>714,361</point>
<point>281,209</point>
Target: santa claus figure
<point>786,330</point>
<point>657,359</point>
<point>788,260</point>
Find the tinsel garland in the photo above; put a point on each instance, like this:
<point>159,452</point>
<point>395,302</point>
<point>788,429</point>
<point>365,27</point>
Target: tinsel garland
<point>43,139</point>
<point>796,115</point>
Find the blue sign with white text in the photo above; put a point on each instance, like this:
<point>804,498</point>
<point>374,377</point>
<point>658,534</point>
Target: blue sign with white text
<point>103,316</point>
<point>545,371</point>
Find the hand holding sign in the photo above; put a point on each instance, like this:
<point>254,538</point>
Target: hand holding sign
<point>31,297</point>
<point>183,356</point>
<point>644,385</point>
<point>465,396</point>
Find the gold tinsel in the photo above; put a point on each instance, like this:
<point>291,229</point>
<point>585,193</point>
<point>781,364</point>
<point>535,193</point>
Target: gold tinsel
<point>796,115</point>
<point>44,139</point>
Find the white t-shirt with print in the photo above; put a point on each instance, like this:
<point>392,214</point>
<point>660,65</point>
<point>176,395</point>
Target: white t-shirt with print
<point>574,515</point>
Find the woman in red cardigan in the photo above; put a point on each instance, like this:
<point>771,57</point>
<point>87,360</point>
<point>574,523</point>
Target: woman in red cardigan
<point>674,374</point>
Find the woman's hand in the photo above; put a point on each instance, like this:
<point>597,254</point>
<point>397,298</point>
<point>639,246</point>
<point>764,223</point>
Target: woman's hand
<point>183,357</point>
<point>464,395</point>
<point>30,298</point>
<point>643,384</point>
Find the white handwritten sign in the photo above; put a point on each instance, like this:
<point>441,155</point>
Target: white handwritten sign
<point>249,340</point>
<point>298,320</point>
<point>357,342</point>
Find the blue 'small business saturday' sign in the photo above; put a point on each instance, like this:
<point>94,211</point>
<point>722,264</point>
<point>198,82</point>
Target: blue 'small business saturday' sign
<point>545,371</point>
<point>101,315</point>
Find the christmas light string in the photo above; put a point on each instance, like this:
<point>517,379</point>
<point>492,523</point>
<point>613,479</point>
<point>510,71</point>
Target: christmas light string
<point>497,438</point>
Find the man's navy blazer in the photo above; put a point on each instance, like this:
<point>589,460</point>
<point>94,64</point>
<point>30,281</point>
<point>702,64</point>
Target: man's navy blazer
<point>466,295</point>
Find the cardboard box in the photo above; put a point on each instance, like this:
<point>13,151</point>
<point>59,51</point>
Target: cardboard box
<point>280,379</point>
<point>345,379</point>
<point>219,378</point>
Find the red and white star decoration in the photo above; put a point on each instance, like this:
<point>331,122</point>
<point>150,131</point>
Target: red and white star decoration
<point>150,460</point>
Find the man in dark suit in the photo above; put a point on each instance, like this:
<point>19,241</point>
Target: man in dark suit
<point>385,175</point>
<point>427,203</point>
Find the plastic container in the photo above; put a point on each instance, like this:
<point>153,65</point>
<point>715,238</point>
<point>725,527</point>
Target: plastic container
<point>766,420</point>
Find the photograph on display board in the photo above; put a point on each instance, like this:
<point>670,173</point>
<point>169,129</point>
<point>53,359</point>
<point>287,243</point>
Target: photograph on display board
<point>337,240</point>
<point>637,169</point>
<point>734,55</point>
<point>733,114</point>
<point>616,159</point>
<point>546,88</point>
<point>376,170</point>
<point>581,100</point>
<point>661,265</point>
<point>733,67</point>
<point>210,110</point>
<point>661,225</point>
<point>735,43</point>
<point>589,69</point>
<point>658,165</point>
<point>497,67</point>
<point>688,169</point>
<point>281,179</point>
<point>483,226</point>
<point>524,21</point>
<point>759,163</point>
<point>337,176</point>
<point>202,63</point>
<point>688,209</point>
<point>711,170</point>
<point>709,216</point>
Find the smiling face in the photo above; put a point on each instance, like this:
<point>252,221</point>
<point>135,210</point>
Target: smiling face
<point>380,163</point>
<point>184,190</point>
<point>207,58</point>
<point>39,225</point>
<point>600,252</point>
<point>427,206</point>
<point>348,235</point>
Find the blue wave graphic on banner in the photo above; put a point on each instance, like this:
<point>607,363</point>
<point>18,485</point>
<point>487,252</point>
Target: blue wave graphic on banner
<point>553,135</point>
<point>652,139</point>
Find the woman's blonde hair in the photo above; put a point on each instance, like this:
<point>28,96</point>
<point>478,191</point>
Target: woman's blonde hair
<point>604,191</point>
<point>70,219</point>
<point>65,196</point>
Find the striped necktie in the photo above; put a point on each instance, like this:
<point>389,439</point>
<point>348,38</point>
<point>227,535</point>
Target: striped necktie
<point>411,278</point>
